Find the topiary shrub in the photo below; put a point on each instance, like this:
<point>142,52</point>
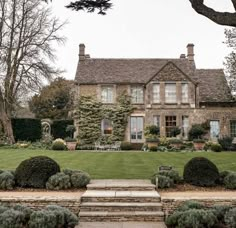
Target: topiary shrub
<point>64,217</point>
<point>230,181</point>
<point>230,218</point>
<point>79,179</point>
<point>12,219</point>
<point>200,171</point>
<point>7,180</point>
<point>216,147</point>
<point>58,181</point>
<point>58,144</point>
<point>196,132</point>
<point>34,172</point>
<point>43,218</point>
<point>126,146</point>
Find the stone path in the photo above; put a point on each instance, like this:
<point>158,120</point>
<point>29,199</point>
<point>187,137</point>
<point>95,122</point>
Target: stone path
<point>121,204</point>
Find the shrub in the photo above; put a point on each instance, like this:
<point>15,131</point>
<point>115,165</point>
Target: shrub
<point>153,148</point>
<point>226,142</point>
<point>230,218</point>
<point>25,210</point>
<point>35,172</point>
<point>197,218</point>
<point>163,181</point>
<point>59,144</point>
<point>26,129</point>
<point>151,131</point>
<point>7,180</point>
<point>3,209</point>
<point>43,218</point>
<point>175,141</point>
<point>58,181</point>
<point>172,220</point>
<point>200,171</point>
<point>196,132</point>
<point>175,131</point>
<point>223,174</point>
<point>190,204</point>
<point>216,147</point>
<point>11,219</point>
<point>64,217</point>
<point>173,174</point>
<point>230,181</point>
<point>79,179</point>
<point>220,210</point>
<point>58,128</point>
<point>126,146</point>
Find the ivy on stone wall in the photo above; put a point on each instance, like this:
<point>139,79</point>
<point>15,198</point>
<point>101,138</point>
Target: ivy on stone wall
<point>90,113</point>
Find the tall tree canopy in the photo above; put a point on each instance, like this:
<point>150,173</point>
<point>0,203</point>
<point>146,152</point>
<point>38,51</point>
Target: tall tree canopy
<point>27,32</point>
<point>54,101</point>
<point>221,18</point>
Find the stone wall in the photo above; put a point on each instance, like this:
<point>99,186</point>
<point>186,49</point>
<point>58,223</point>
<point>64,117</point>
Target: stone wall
<point>171,204</point>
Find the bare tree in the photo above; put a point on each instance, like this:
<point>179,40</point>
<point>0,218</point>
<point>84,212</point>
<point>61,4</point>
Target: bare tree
<point>27,33</point>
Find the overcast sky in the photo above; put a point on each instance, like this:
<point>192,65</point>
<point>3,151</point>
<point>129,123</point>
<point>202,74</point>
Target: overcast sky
<point>148,29</point>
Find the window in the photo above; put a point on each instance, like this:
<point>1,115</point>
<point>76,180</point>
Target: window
<point>233,128</point>
<point>107,127</point>
<point>156,93</point>
<point>136,125</point>
<point>156,120</point>
<point>185,126</point>
<point>137,95</point>
<point>107,94</point>
<point>214,129</point>
<point>170,123</point>
<point>170,93</point>
<point>184,93</point>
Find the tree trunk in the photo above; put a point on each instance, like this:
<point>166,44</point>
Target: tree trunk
<point>7,126</point>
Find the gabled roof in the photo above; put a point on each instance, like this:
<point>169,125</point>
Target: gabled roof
<point>125,71</point>
<point>213,86</point>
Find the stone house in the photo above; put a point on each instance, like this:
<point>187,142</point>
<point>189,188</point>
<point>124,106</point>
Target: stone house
<point>164,92</point>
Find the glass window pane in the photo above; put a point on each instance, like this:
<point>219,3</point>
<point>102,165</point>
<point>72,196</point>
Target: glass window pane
<point>170,123</point>
<point>233,128</point>
<point>156,93</point>
<point>170,93</point>
<point>137,95</point>
<point>156,120</point>
<point>107,127</point>
<point>107,94</point>
<point>185,126</point>
<point>185,93</point>
<point>136,125</point>
<point>214,128</point>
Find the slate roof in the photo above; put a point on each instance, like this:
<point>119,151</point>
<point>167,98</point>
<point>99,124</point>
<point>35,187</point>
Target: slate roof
<point>212,83</point>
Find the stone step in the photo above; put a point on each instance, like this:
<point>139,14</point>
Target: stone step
<point>137,216</point>
<point>120,196</point>
<point>117,206</point>
<point>121,185</point>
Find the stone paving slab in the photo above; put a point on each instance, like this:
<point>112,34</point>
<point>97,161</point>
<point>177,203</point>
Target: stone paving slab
<point>121,225</point>
<point>120,182</point>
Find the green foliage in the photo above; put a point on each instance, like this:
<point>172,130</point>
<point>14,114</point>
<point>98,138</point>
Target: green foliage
<point>71,129</point>
<point>126,146</point>
<point>90,114</point>
<point>58,128</point>
<point>230,218</point>
<point>163,181</point>
<point>196,132</point>
<point>175,141</point>
<point>200,171</point>
<point>230,180</point>
<point>151,131</point>
<point>26,129</point>
<point>43,218</point>
<point>190,204</point>
<point>12,219</point>
<point>220,210</point>
<point>216,147</point>
<point>7,180</point>
<point>34,172</point>
<point>226,142</point>
<point>54,100</point>
<point>153,148</point>
<point>25,210</point>
<point>175,131</point>
<point>58,181</point>
<point>79,179</point>
<point>58,144</point>
<point>173,174</point>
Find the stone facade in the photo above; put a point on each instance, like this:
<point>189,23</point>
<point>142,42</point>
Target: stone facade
<point>208,95</point>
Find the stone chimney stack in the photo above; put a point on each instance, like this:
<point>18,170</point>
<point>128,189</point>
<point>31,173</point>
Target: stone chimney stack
<point>82,52</point>
<point>190,52</point>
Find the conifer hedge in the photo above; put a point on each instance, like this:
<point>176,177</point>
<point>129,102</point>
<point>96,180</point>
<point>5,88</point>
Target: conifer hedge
<point>58,128</point>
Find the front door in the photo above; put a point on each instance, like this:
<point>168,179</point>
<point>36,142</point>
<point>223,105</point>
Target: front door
<point>136,129</point>
<point>214,129</point>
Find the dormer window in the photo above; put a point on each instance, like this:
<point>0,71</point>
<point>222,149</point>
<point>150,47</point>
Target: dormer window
<point>137,94</point>
<point>107,94</point>
<point>170,93</point>
<point>156,93</point>
<point>185,93</point>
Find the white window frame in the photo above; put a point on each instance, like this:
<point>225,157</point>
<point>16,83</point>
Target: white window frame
<point>103,128</point>
<point>107,94</point>
<point>156,93</point>
<point>170,93</point>
<point>137,94</point>
<point>184,92</point>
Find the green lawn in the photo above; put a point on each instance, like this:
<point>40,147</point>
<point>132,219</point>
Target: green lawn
<point>136,165</point>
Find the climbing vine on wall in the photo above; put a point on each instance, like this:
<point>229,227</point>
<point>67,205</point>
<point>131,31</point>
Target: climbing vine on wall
<point>90,113</point>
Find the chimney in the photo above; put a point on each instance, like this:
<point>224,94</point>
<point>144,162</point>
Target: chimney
<point>81,52</point>
<point>182,56</point>
<point>190,50</point>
